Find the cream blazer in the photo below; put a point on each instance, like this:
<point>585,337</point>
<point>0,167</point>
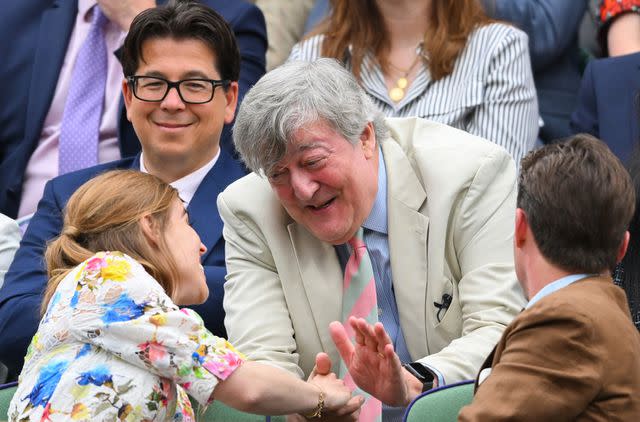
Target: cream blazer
<point>451,207</point>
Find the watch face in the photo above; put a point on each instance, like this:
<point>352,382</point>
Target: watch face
<point>419,371</point>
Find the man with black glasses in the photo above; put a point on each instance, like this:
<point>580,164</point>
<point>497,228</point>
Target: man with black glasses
<point>181,66</point>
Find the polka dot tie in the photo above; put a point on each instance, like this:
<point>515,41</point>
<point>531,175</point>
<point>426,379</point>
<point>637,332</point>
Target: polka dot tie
<point>78,147</point>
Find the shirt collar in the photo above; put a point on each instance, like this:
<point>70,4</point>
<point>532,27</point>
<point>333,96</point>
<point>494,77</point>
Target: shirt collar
<point>377,219</point>
<point>555,286</point>
<point>187,185</point>
<point>84,6</point>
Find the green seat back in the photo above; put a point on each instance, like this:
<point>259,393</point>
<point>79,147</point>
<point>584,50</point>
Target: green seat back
<point>6,394</point>
<point>442,404</point>
<point>219,412</point>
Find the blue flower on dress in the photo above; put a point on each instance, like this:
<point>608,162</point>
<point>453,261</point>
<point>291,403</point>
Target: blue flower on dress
<point>98,376</point>
<point>74,299</point>
<point>123,309</point>
<point>85,349</point>
<point>47,382</point>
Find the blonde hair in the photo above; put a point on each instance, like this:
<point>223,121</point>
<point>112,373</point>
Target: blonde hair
<point>104,214</point>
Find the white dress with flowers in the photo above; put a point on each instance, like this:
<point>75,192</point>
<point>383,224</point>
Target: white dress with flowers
<point>113,346</point>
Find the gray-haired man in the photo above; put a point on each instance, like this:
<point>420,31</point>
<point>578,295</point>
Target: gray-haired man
<point>439,235</point>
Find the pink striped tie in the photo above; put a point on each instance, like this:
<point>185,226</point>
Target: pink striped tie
<point>359,300</point>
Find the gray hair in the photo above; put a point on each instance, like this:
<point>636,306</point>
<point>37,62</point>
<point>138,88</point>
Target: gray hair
<point>294,95</point>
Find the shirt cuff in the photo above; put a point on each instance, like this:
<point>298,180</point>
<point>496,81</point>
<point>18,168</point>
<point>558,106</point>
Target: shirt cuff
<point>436,374</point>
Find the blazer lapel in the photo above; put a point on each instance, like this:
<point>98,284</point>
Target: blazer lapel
<point>56,26</point>
<point>322,278</point>
<point>408,234</point>
<point>203,208</point>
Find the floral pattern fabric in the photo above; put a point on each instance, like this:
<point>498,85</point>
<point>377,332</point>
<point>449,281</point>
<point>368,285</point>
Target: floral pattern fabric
<point>113,346</point>
<point>611,8</point>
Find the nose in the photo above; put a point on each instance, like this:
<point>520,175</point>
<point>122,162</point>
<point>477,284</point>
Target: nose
<point>203,249</point>
<point>172,100</point>
<point>303,186</point>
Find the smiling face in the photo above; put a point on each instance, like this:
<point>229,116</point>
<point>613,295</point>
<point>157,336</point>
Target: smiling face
<point>326,183</point>
<point>186,249</point>
<point>179,138</point>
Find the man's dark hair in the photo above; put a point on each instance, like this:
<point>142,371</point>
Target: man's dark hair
<point>183,20</point>
<point>579,200</point>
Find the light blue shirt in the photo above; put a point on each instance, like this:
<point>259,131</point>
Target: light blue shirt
<point>555,286</point>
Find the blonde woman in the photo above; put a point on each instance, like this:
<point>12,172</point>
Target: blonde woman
<point>113,342</point>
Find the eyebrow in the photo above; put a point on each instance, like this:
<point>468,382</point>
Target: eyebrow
<point>312,145</point>
<point>189,75</point>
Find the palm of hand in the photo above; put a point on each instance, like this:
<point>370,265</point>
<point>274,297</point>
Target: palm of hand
<point>378,375</point>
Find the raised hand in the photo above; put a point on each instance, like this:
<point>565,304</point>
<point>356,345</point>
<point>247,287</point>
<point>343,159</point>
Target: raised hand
<point>372,362</point>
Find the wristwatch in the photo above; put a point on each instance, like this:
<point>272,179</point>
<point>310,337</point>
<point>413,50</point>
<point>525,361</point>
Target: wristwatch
<point>421,372</point>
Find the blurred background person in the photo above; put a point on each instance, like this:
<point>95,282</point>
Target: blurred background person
<point>556,59</point>
<point>441,60</point>
<point>285,26</point>
<point>627,273</point>
<point>619,27</point>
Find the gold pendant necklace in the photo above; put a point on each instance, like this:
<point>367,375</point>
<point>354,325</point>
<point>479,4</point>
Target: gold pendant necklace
<point>397,93</point>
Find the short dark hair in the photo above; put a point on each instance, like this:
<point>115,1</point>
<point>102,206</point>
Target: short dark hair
<point>183,20</point>
<point>579,200</point>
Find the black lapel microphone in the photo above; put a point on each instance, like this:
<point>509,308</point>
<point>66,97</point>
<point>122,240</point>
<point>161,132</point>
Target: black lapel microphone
<point>446,301</point>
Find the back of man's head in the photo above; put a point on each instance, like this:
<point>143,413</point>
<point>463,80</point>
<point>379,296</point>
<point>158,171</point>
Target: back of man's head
<point>183,20</point>
<point>579,200</point>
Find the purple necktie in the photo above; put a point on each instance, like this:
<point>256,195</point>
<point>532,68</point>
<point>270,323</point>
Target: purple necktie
<point>78,147</point>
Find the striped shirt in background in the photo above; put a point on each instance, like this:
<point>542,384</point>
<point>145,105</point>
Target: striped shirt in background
<point>490,92</point>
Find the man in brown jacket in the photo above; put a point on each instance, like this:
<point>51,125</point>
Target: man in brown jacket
<point>573,353</point>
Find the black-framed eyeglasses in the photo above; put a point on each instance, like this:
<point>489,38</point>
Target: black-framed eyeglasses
<point>191,91</point>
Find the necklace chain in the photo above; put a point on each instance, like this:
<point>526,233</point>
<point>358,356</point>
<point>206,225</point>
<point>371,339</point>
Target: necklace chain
<point>397,93</point>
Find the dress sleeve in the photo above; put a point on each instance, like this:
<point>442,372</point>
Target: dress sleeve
<point>610,9</point>
<point>120,308</point>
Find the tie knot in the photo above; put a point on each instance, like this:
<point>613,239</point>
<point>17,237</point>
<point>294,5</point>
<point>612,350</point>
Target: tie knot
<point>357,241</point>
<point>98,18</point>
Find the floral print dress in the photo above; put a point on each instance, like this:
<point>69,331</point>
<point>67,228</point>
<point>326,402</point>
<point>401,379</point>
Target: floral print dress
<point>113,346</point>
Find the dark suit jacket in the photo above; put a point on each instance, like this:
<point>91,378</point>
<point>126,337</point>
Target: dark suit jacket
<point>33,42</point>
<point>608,103</point>
<point>552,27</point>
<point>574,355</point>
<point>21,295</point>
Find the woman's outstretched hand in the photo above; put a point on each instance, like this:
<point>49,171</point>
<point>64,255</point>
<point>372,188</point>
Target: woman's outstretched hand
<point>339,404</point>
